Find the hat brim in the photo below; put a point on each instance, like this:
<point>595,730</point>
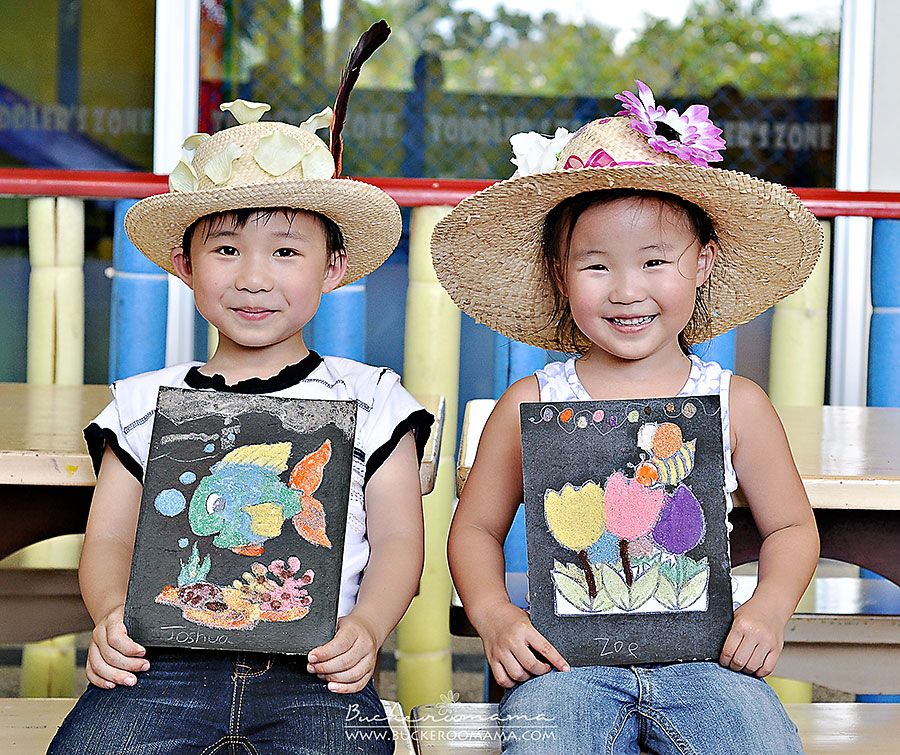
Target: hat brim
<point>368,218</point>
<point>487,251</point>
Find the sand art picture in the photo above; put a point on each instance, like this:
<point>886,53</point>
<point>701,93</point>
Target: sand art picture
<point>241,530</point>
<point>626,528</point>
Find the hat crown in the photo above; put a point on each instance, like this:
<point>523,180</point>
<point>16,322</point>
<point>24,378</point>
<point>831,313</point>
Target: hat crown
<point>262,152</point>
<point>609,143</point>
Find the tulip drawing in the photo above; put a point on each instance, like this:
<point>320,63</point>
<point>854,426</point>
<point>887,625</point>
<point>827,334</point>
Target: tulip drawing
<point>576,518</point>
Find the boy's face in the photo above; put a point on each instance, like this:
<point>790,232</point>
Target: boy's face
<point>260,284</point>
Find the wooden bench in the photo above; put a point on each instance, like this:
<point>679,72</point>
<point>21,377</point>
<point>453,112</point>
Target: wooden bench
<point>825,728</point>
<point>851,641</point>
<point>28,725</point>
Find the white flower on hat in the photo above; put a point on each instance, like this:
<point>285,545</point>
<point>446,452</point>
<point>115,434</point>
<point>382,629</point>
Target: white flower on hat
<point>536,153</point>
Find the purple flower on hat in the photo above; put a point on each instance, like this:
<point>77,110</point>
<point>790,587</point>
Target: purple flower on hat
<point>692,136</point>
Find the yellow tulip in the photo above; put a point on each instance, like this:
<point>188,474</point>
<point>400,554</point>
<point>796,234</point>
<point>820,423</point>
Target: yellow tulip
<point>575,515</point>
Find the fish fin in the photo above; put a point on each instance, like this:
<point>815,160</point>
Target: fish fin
<point>266,519</point>
<point>248,550</point>
<point>310,522</point>
<point>273,456</point>
<point>308,472</point>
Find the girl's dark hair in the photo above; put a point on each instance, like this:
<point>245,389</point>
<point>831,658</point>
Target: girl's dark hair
<point>334,239</point>
<point>556,242</point>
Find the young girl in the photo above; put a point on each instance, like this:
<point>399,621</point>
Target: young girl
<point>619,243</point>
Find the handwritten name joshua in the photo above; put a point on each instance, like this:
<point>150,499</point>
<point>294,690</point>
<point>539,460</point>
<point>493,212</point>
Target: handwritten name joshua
<point>191,636</point>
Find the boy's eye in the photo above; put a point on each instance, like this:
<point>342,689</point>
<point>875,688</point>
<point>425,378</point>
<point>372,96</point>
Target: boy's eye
<point>227,251</point>
<point>286,252</point>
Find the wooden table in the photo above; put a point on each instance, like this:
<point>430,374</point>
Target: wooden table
<point>849,459</point>
<point>46,483</point>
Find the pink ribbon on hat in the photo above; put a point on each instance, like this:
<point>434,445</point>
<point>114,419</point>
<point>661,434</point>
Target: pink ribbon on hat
<point>600,158</point>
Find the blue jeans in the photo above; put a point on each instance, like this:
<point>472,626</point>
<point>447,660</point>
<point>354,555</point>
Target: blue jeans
<point>678,709</point>
<point>225,703</point>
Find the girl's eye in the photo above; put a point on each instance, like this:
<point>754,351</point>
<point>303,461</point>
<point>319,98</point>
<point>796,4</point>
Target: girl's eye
<point>596,267</point>
<point>655,263</point>
<point>227,251</point>
<point>286,253</point>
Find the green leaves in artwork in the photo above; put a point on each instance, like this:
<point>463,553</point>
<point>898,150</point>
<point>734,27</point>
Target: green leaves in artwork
<point>623,597</point>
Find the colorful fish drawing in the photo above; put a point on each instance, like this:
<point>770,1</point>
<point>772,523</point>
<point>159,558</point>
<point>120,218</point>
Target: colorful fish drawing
<point>244,502</point>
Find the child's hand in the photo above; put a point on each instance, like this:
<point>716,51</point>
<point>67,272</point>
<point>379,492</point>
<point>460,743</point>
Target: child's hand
<point>755,641</point>
<point>346,662</point>
<point>112,654</point>
<point>510,643</point>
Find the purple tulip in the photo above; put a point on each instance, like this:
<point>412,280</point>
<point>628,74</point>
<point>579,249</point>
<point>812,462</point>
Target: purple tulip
<point>681,524</point>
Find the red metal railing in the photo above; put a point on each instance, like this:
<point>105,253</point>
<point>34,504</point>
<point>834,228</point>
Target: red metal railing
<point>407,192</point>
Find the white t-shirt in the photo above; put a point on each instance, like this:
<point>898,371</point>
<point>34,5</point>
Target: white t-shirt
<point>386,412</point>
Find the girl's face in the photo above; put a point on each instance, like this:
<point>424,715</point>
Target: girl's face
<point>631,278</point>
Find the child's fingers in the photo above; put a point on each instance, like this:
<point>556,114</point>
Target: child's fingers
<point>353,674</point>
<point>116,659</point>
<point>757,658</point>
<point>344,688</point>
<point>107,672</point>
<point>500,675</point>
<point>550,654</point>
<point>340,643</point>
<point>339,663</point>
<point>117,637</point>
<point>515,670</point>
<point>732,641</point>
<point>769,663</point>
<point>742,654</point>
<point>528,662</point>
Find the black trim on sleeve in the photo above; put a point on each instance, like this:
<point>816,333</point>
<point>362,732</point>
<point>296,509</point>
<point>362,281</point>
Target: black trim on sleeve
<point>97,438</point>
<point>420,422</point>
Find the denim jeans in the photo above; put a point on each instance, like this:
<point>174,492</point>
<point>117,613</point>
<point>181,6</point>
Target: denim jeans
<point>224,703</point>
<point>678,708</point>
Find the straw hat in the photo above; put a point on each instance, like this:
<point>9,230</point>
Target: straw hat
<point>266,164</point>
<point>487,252</point>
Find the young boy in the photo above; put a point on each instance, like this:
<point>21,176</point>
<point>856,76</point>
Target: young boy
<point>257,226</point>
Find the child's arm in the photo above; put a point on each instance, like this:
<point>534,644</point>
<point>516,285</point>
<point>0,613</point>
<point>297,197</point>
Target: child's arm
<point>396,541</point>
<point>790,541</point>
<point>103,574</point>
<point>486,509</point>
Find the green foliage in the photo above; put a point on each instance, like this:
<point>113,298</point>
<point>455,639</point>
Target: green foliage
<point>719,43</point>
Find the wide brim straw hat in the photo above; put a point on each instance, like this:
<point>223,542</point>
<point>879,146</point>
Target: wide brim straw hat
<point>488,251</point>
<point>266,164</point>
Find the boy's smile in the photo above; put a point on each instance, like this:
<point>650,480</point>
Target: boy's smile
<point>260,283</point>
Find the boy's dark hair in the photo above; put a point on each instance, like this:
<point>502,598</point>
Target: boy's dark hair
<point>334,239</point>
<point>556,242</point>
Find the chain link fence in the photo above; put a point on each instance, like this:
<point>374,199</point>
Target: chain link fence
<point>421,112</point>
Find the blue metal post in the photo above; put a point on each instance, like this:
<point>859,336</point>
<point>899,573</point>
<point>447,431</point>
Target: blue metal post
<point>138,307</point>
<point>720,349</point>
<point>883,387</point>
<point>339,327</point>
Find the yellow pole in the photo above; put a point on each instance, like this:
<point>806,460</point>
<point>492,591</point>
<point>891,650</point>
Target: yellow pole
<point>799,336</point>
<point>55,355</point>
<point>430,366</point>
<point>797,377</point>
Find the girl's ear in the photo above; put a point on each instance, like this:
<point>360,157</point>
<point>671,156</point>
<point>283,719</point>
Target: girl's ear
<point>334,274</point>
<point>182,264</point>
<point>705,260</point>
